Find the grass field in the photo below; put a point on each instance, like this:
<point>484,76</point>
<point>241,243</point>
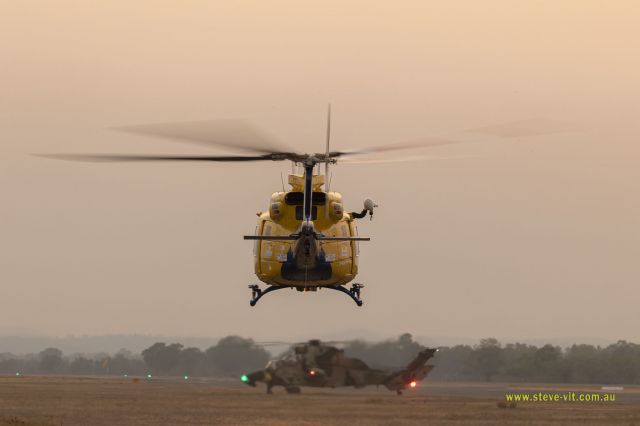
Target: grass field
<point>46,401</point>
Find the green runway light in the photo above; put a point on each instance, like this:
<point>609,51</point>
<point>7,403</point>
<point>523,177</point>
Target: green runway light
<point>186,377</point>
<point>18,373</point>
<point>244,378</point>
<point>148,376</point>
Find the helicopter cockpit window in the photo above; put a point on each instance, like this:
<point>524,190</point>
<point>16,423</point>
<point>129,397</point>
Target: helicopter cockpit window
<point>296,198</point>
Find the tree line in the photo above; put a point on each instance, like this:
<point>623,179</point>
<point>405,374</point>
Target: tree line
<point>489,360</point>
<point>618,363</point>
<point>232,355</point>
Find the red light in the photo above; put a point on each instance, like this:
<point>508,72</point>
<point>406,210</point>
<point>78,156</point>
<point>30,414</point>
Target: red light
<point>312,373</point>
<point>413,384</point>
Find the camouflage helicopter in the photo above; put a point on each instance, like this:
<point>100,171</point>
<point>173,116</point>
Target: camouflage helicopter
<point>305,240</point>
<point>318,364</point>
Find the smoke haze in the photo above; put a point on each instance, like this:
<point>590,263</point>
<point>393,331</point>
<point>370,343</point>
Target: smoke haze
<point>529,238</point>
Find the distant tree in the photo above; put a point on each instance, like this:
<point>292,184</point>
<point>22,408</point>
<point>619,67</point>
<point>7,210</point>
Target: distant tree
<point>618,363</point>
<point>548,364</point>
<point>584,363</point>
<point>488,358</point>
<point>81,365</point>
<point>389,353</point>
<point>191,361</point>
<point>11,365</point>
<point>51,360</point>
<point>120,365</point>
<point>235,355</point>
<point>455,363</point>
<point>162,358</point>
<point>518,359</point>
<point>358,349</point>
<point>622,360</point>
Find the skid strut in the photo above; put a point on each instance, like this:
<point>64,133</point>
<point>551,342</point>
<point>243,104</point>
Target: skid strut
<point>257,292</point>
<point>353,292</point>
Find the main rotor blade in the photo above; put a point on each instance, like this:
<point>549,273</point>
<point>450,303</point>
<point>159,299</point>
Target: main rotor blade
<point>393,147</point>
<point>102,158</point>
<point>396,160</point>
<point>522,128</point>
<point>326,164</point>
<point>236,134</point>
<point>274,343</point>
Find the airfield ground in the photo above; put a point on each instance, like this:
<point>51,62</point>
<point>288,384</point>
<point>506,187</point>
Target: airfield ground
<point>48,401</point>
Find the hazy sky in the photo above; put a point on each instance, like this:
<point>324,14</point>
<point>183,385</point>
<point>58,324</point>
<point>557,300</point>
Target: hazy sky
<point>531,238</point>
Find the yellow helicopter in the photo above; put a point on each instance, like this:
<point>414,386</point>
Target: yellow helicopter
<point>305,240</point>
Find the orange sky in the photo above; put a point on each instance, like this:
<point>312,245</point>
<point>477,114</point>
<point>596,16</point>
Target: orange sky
<point>529,238</point>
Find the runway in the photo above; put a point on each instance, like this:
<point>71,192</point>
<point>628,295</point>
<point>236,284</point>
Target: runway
<point>48,401</point>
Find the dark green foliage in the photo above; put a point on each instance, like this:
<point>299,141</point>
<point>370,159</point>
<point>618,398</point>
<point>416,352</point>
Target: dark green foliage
<point>618,363</point>
<point>51,360</point>
<point>488,357</point>
<point>192,362</point>
<point>389,353</point>
<point>162,359</point>
<point>235,355</point>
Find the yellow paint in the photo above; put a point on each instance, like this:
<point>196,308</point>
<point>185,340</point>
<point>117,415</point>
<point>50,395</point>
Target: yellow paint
<point>280,219</point>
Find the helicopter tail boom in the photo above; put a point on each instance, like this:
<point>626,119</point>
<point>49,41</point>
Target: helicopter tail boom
<point>414,372</point>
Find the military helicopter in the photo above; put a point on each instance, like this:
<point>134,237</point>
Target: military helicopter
<point>305,240</point>
<point>318,364</point>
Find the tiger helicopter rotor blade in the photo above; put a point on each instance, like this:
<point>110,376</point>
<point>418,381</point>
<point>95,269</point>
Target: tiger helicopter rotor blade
<point>292,344</point>
<point>273,343</point>
<point>237,134</point>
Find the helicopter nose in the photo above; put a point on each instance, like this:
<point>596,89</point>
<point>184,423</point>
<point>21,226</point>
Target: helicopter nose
<point>245,379</point>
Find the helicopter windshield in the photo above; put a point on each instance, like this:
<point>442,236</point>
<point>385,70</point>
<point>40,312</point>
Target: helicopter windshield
<point>296,198</point>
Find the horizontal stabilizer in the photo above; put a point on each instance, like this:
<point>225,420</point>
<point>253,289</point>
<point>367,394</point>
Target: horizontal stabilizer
<point>343,238</point>
<point>271,237</point>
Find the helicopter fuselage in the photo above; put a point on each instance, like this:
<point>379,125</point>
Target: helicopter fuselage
<point>306,263</point>
<point>318,365</point>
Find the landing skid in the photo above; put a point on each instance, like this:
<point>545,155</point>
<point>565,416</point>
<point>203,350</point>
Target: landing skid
<point>353,292</point>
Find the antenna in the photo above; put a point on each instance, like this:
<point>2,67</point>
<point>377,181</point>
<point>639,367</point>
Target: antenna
<point>282,180</point>
<point>326,164</point>
<point>327,183</point>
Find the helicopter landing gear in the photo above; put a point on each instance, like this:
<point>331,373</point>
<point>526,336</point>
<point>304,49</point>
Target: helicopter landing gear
<point>257,292</point>
<point>292,389</point>
<point>353,292</point>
